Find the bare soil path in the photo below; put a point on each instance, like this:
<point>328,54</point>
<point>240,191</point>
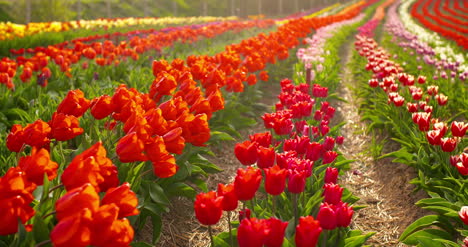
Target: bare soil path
<point>381,185</point>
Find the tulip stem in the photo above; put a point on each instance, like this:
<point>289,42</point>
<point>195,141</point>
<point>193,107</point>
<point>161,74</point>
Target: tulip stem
<point>273,202</point>
<point>211,235</point>
<point>325,236</point>
<point>55,188</point>
<point>295,209</point>
<point>230,228</point>
<point>49,214</point>
<point>43,243</point>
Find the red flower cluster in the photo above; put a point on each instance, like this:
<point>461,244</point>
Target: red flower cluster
<point>390,77</point>
<point>429,14</point>
<point>107,53</point>
<point>83,219</point>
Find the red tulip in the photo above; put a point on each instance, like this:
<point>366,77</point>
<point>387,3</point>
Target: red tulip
<point>123,198</point>
<point>246,152</point>
<point>247,182</point>
<point>329,157</point>
<point>266,157</point>
<point>463,213</point>
<point>228,193</point>
<point>102,107</point>
<point>297,181</point>
<point>74,104</point>
<point>275,237</point>
<point>344,214</point>
<point>328,143</point>
<point>275,180</point>
<point>448,144</point>
<point>64,127</point>
<point>252,232</point>
<point>108,230</point>
<point>434,137</point>
<point>75,200</point>
<point>327,216</point>
<point>314,151</point>
<point>262,139</point>
<point>74,230</point>
<point>15,200</point>
<point>332,193</point>
<point>459,128</point>
<point>331,175</point>
<point>37,165</point>
<point>307,232</point>
<point>208,208</point>
<point>462,164</point>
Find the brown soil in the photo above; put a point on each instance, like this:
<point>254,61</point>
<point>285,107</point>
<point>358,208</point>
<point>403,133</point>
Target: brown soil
<point>180,227</point>
<point>381,185</point>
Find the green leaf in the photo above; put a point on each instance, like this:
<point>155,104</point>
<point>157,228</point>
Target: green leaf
<point>414,238</point>
<point>217,136</point>
<point>357,241</point>
<point>447,243</point>
<point>157,225</point>
<point>157,194</point>
<point>141,244</point>
<point>401,156</point>
<point>181,189</point>
<point>41,231</point>
<point>219,242</point>
<point>420,223</point>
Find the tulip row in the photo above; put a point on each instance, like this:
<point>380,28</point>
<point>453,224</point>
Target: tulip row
<point>11,30</point>
<point>154,131</point>
<point>442,48</point>
<point>107,53</point>
<point>407,40</point>
<point>446,75</point>
<point>445,25</point>
<point>426,144</point>
<point>299,156</point>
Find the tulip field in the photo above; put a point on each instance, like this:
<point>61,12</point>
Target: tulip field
<point>342,125</point>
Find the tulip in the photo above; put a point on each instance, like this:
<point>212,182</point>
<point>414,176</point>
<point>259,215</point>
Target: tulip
<point>329,157</point>
<point>331,175</point>
<point>266,157</point>
<point>332,193</point>
<point>275,237</point>
<point>327,216</point>
<point>75,200</point>
<point>262,139</point>
<point>463,213</point>
<point>37,165</point>
<point>228,193</point>
<point>208,208</point>
<point>15,200</point>
<point>296,181</point>
<point>74,104</point>
<point>275,180</point>
<point>247,183</point>
<point>64,127</point>
<point>459,128</point>
<point>246,152</point>
<point>448,144</point>
<point>307,232</point>
<point>252,232</point>
<point>462,164</point>
<point>123,198</point>
<point>344,213</point>
<point>434,137</point>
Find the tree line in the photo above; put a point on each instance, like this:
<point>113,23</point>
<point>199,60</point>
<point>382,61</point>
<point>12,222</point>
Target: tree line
<point>24,11</point>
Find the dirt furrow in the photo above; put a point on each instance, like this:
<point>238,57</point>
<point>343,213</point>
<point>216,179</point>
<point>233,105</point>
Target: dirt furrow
<point>382,186</point>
